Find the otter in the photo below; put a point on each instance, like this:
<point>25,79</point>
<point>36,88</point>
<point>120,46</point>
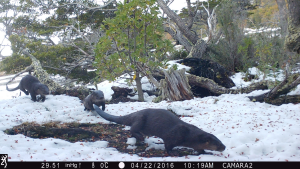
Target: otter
<point>166,125</point>
<point>97,97</point>
<point>33,86</point>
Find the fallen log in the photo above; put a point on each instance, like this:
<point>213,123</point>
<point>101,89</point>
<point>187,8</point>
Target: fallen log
<point>214,88</point>
<point>275,95</point>
<point>55,88</point>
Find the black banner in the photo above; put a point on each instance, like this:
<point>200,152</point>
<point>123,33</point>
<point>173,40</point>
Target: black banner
<point>148,165</point>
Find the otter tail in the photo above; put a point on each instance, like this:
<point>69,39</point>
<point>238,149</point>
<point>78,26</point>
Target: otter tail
<point>16,88</point>
<point>107,116</point>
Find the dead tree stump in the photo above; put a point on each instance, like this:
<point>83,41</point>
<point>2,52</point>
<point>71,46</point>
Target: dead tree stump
<point>175,86</point>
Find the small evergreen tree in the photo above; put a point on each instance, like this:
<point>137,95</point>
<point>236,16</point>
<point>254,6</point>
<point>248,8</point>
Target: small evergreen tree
<point>36,25</point>
<point>135,30</point>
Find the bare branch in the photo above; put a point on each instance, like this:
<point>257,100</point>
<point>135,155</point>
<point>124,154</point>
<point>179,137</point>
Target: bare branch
<point>190,19</point>
<point>179,22</point>
<point>29,68</point>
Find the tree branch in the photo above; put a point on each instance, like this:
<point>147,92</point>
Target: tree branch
<point>179,22</point>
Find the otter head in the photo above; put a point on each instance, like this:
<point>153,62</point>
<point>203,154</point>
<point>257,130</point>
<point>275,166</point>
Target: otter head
<point>200,140</point>
<point>98,95</point>
<point>42,89</point>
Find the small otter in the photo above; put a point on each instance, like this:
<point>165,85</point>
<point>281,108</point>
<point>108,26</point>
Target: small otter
<point>33,86</point>
<point>166,125</point>
<point>97,97</point>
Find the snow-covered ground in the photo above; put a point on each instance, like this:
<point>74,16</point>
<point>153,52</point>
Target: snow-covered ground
<point>250,131</point>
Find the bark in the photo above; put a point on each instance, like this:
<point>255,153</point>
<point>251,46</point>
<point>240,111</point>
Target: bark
<point>198,50</point>
<point>175,86</point>
<point>119,91</point>
<point>41,74</point>
<point>139,87</point>
<point>283,15</point>
<point>292,41</point>
<point>285,100</point>
<point>143,68</point>
<point>197,47</point>
<point>120,95</point>
<point>284,87</point>
<point>179,22</point>
<point>177,35</point>
<point>55,88</point>
<point>213,87</point>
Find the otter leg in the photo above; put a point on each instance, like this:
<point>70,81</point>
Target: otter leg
<point>103,106</point>
<point>169,147</point>
<point>135,131</point>
<point>23,90</point>
<point>33,96</point>
<point>175,137</point>
<point>43,98</point>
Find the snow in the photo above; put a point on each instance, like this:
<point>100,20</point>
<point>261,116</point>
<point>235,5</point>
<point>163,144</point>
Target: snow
<point>250,131</point>
<point>260,30</point>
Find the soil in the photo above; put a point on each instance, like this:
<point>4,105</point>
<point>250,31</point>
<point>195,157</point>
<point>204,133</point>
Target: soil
<point>86,132</point>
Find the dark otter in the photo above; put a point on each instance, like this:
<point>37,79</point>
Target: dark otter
<point>166,125</point>
<point>97,98</point>
<point>33,86</point>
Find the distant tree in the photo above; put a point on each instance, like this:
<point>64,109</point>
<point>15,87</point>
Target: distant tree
<point>230,21</point>
<point>292,41</point>
<point>35,23</point>
<point>283,15</point>
<point>183,27</point>
<point>278,95</point>
<point>132,43</point>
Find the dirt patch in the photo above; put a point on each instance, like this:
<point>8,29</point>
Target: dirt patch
<point>85,132</point>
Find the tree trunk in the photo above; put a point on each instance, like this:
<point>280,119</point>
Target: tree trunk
<point>179,22</point>
<point>177,35</point>
<point>139,86</point>
<point>198,49</point>
<point>292,41</point>
<point>213,87</point>
<point>292,44</point>
<point>55,88</point>
<point>283,15</point>
<point>283,88</point>
<point>175,86</point>
<point>285,100</point>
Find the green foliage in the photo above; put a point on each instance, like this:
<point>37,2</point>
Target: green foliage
<point>226,51</point>
<point>269,53</point>
<point>30,31</point>
<point>14,64</point>
<point>265,15</point>
<point>178,54</point>
<point>246,54</point>
<point>238,52</point>
<point>133,32</point>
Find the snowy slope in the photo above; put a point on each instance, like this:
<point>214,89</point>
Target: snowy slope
<point>251,131</point>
